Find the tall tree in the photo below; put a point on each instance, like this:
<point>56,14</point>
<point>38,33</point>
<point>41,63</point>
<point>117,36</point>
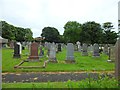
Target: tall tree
<point>110,37</point>
<point>91,32</point>
<point>50,34</point>
<point>72,31</point>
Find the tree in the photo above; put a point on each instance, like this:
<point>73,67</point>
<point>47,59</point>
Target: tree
<point>110,37</point>
<point>91,33</point>
<point>50,34</point>
<point>20,34</point>
<point>72,31</point>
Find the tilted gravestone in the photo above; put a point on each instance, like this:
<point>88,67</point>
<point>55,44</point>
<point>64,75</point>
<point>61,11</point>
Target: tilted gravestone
<point>96,50</point>
<point>34,52</point>
<point>84,50</point>
<point>52,55</point>
<point>16,50</point>
<point>70,53</point>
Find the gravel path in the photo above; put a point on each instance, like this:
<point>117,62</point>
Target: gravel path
<point>45,77</point>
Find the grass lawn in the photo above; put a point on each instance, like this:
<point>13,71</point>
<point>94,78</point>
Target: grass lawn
<point>83,63</point>
<point>87,83</point>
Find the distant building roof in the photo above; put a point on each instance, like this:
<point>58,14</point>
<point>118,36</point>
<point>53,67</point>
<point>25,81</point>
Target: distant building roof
<point>3,40</point>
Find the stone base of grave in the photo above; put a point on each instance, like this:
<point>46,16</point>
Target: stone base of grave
<point>33,58</point>
<point>96,55</point>
<point>16,56</point>
<point>84,54</point>
<point>54,60</point>
<point>70,61</point>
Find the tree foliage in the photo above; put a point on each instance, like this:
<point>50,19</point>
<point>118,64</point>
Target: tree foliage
<point>72,31</point>
<point>50,34</point>
<point>11,32</point>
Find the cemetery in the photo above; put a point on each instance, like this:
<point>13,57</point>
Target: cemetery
<point>85,55</point>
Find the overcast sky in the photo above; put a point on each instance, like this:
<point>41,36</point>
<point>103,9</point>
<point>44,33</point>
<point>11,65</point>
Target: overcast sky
<point>37,14</point>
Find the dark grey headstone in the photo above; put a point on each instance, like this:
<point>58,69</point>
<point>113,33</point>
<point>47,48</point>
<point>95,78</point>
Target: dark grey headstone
<point>16,50</point>
<point>59,47</point>
<point>84,50</point>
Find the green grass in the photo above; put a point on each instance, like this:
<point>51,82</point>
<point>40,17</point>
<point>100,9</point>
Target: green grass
<point>83,63</point>
<point>87,83</point>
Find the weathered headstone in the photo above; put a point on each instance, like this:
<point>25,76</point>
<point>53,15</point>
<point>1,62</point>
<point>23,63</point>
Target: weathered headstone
<point>84,50</point>
<point>70,53</point>
<point>11,44</point>
<point>105,50</point>
<point>75,47</point>
<point>16,50</point>
<point>79,46</point>
<point>96,50</point>
<point>34,52</point>
<point>117,60</point>
<point>52,54</point>
<point>112,53</point>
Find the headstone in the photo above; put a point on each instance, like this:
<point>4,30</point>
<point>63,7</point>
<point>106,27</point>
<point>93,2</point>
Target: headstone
<point>11,44</point>
<point>96,50</point>
<point>41,52</point>
<point>34,52</point>
<point>75,47</point>
<point>70,53</point>
<point>105,50</point>
<point>59,47</point>
<point>117,60</point>
<point>84,50</point>
<point>52,55</point>
<point>16,50</point>
<point>79,46</point>
<point>112,53</point>
<point>20,47</point>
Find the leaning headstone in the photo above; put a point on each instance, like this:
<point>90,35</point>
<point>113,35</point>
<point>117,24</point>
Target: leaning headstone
<point>96,50</point>
<point>16,50</point>
<point>70,53</point>
<point>34,52</point>
<point>52,55</point>
<point>117,60</point>
<point>84,50</point>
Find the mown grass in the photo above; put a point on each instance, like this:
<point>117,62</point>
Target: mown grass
<point>83,63</point>
<point>87,83</point>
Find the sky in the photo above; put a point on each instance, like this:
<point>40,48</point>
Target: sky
<point>37,14</point>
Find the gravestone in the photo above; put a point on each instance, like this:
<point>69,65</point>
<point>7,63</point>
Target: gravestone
<point>84,50</point>
<point>112,53</point>
<point>20,47</point>
<point>16,50</point>
<point>70,53</point>
<point>105,50</point>
<point>48,48</point>
<point>59,47</point>
<point>11,44</point>
<point>75,47</point>
<point>34,52</point>
<point>41,52</point>
<point>52,55</point>
<point>79,46</point>
<point>96,50</point>
<point>117,60</point>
